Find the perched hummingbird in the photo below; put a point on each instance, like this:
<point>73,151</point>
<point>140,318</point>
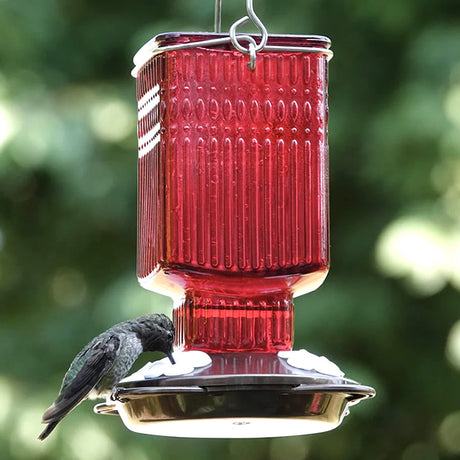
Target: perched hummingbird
<point>106,360</point>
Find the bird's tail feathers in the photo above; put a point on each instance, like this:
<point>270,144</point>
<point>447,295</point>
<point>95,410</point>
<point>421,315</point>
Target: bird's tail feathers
<point>56,412</point>
<point>59,409</point>
<point>47,431</point>
<point>50,414</point>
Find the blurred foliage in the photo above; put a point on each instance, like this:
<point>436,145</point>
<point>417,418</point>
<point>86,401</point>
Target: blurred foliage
<point>389,311</point>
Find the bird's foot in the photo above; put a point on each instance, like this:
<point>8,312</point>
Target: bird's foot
<point>114,394</point>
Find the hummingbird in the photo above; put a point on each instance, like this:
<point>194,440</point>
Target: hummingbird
<point>107,359</point>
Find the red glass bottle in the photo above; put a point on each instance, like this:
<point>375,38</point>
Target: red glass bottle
<point>233,187</point>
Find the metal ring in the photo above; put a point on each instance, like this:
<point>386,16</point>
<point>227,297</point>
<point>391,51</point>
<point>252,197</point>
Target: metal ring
<point>246,38</point>
<point>234,37</point>
<point>253,47</point>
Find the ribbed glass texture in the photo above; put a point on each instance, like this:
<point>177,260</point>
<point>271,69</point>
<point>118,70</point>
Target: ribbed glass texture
<point>233,189</point>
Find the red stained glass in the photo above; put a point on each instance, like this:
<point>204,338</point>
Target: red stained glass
<point>233,188</point>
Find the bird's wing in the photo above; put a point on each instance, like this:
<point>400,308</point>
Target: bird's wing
<point>100,359</point>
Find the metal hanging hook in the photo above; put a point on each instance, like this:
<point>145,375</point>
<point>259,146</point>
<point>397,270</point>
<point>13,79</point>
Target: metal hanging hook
<point>253,47</point>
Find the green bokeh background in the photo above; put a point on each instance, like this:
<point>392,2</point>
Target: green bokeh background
<point>389,310</point>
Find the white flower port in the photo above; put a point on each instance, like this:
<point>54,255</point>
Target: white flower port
<point>188,361</point>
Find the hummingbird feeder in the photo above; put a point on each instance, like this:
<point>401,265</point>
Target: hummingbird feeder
<point>232,224</point>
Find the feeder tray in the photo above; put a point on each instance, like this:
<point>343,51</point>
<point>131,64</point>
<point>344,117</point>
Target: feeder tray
<point>250,395</point>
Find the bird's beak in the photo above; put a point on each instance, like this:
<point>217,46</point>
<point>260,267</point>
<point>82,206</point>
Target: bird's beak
<point>170,356</point>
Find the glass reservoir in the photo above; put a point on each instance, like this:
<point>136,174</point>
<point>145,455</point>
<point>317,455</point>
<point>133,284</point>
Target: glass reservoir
<point>233,187</point>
